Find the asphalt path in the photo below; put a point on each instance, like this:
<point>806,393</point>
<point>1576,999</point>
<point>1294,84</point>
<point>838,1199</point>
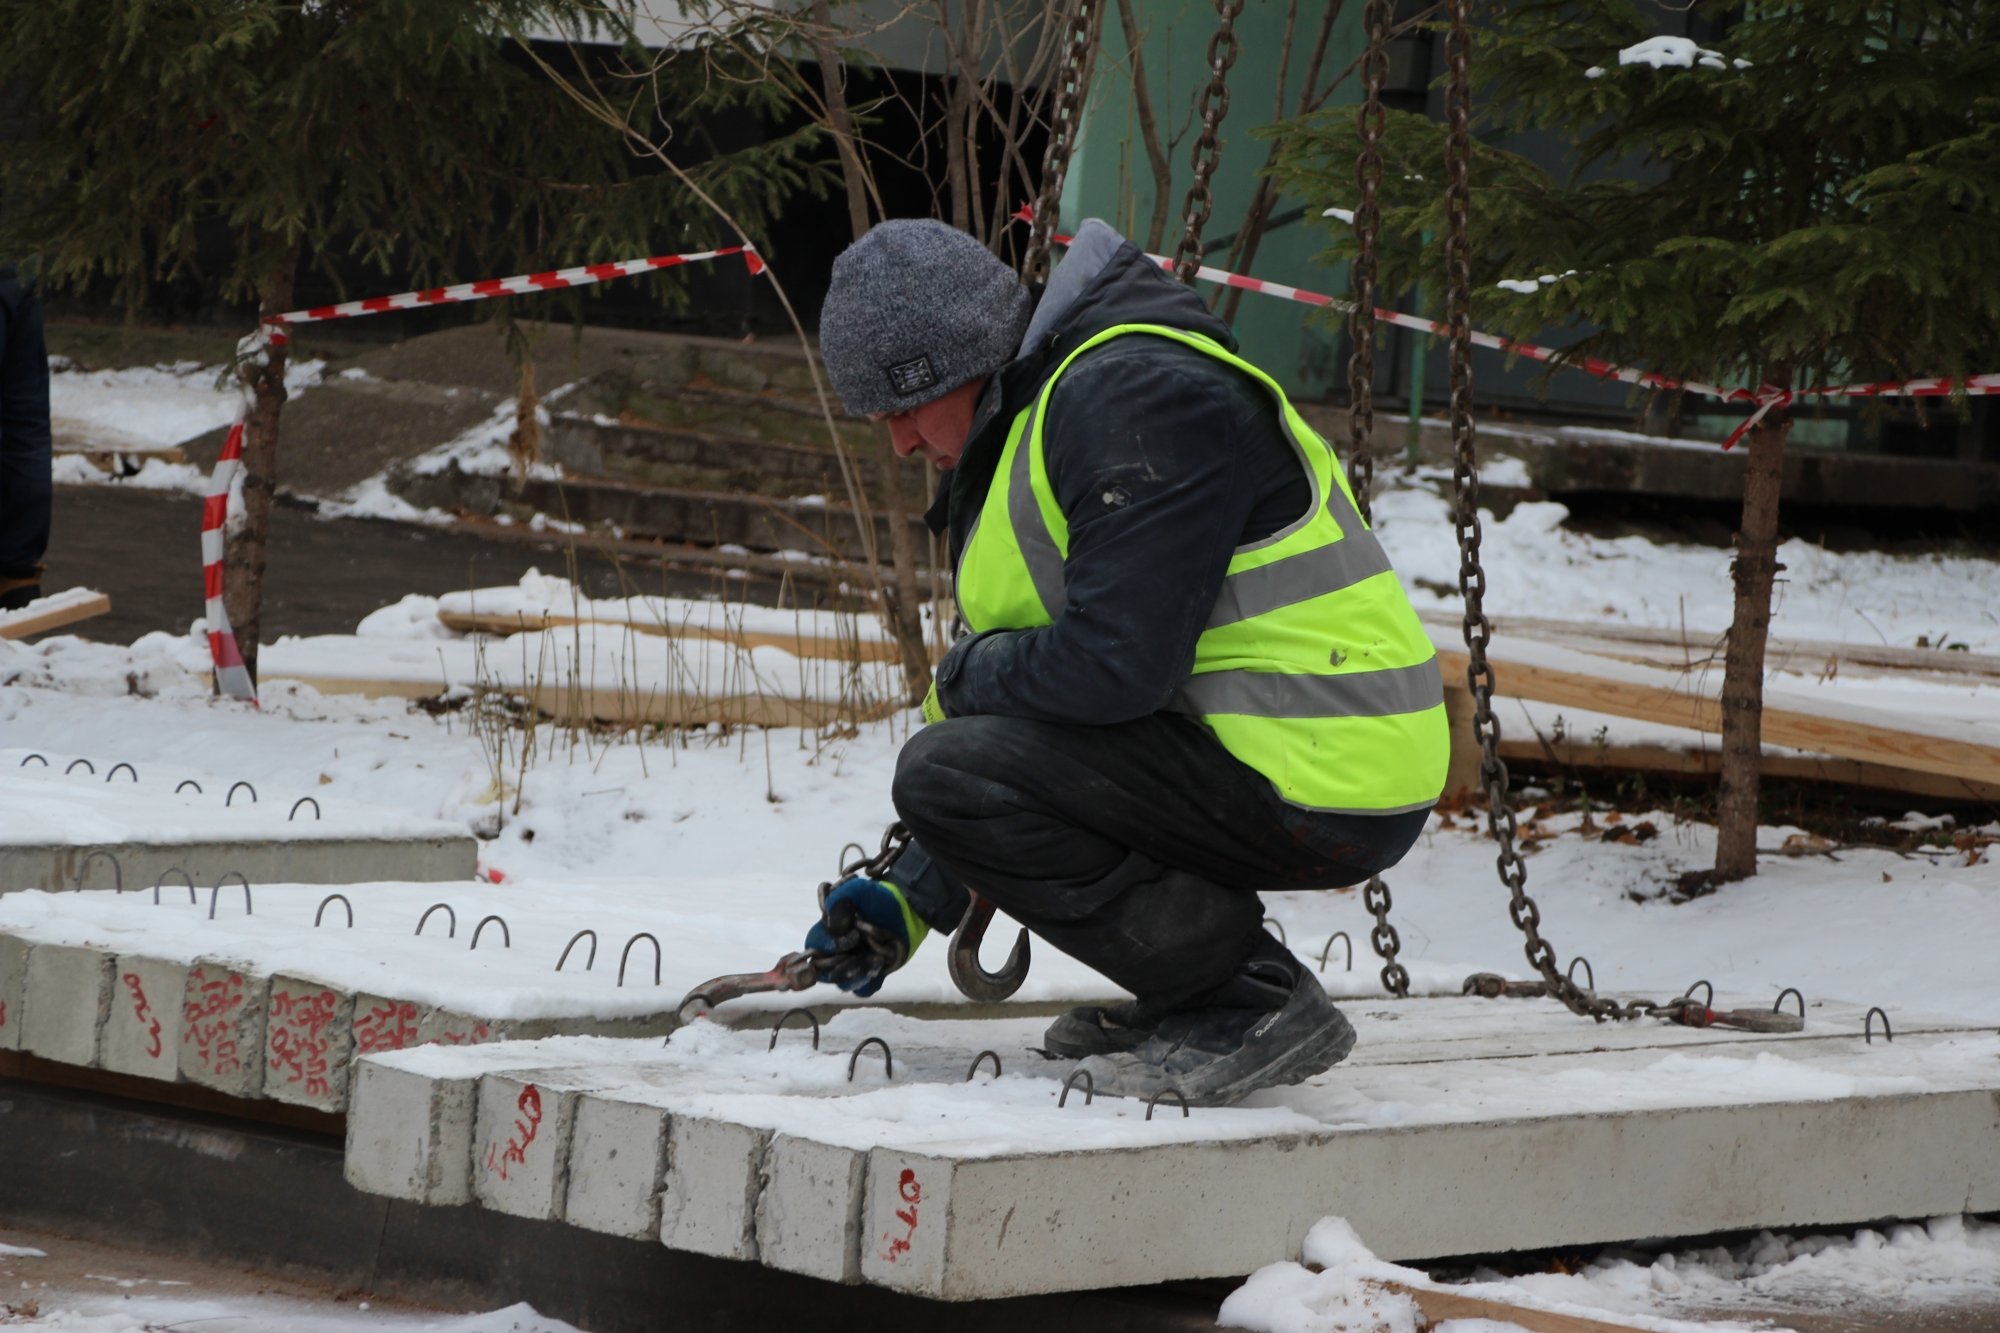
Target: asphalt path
<point>143,548</point>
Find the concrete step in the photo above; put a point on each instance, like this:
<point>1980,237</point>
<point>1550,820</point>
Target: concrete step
<point>702,518</point>
<point>1448,1139</point>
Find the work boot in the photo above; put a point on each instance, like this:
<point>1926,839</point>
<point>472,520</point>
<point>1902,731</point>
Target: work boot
<point>1099,1029</point>
<point>1268,1026</point>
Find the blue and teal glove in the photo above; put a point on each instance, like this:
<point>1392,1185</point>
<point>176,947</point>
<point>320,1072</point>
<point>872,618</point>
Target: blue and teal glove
<point>868,931</point>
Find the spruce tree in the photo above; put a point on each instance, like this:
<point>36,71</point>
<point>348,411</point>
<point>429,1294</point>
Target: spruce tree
<point>1811,196</point>
<point>410,134</point>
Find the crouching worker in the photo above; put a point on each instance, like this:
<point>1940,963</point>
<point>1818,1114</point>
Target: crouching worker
<point>1191,674</point>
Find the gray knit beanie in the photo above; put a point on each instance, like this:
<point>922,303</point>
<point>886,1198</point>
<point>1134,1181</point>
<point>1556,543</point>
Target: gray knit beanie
<point>916,309</point>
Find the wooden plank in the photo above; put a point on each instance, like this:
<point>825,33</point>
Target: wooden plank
<point>1438,1305</point>
<point>1675,649</point>
<point>1549,674</point>
<point>630,707</point>
<point>1679,761</point>
<point>798,644</point>
<point>52,612</point>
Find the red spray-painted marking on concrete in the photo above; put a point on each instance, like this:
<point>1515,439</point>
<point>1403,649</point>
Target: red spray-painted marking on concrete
<point>141,1011</point>
<point>516,1152</point>
<point>3,1013</point>
<point>386,1027</point>
<point>211,1021</point>
<point>913,1194</point>
<point>479,1032</point>
<point>300,1041</point>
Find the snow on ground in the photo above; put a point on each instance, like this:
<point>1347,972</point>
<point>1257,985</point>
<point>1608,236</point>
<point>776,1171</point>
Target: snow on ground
<point>1536,567</point>
<point>1933,1263</point>
<point>147,408</point>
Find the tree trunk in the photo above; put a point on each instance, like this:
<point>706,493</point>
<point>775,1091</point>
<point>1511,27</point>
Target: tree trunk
<point>243,559</point>
<point>1753,572</point>
<point>906,619</point>
<point>1149,130</point>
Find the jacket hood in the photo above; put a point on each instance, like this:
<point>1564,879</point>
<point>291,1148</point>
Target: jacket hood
<point>1104,281</point>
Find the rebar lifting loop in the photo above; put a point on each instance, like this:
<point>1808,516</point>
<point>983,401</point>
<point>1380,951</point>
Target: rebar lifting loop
<point>1174,1093</point>
<point>193,897</point>
<point>117,870</point>
<point>1778,1005</point>
<point>1273,921</point>
<point>185,783</point>
<point>590,961</point>
<point>92,768</point>
<point>215,893</point>
<point>626,953</point>
<point>1708,1001</point>
<point>1868,1025</point>
<point>1344,938</point>
<point>127,767</point>
<point>888,1063</point>
<point>1089,1088</point>
<point>40,759</point>
<point>450,918</point>
<point>506,935</point>
<point>332,897</point>
<point>304,800</point>
<point>1589,974</point>
<point>230,799</point>
<point>811,1018</point>
<point>980,1059</point>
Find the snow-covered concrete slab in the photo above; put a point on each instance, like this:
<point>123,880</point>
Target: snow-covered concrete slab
<point>1460,1126</point>
<point>75,821</point>
<point>266,1004</point>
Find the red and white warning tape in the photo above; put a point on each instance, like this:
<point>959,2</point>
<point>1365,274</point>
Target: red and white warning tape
<point>521,284</point>
<point>1765,398</point>
<point>231,674</point>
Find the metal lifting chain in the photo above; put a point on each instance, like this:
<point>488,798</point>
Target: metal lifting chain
<point>1361,384</point>
<point>1500,819</point>
<point>1064,117</point>
<point>1222,49</point>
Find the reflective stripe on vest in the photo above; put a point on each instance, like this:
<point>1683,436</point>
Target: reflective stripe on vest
<point>1312,669</point>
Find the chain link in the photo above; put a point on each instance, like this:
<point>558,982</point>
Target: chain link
<point>1370,121</point>
<point>1361,384</point>
<point>1501,822</point>
<point>1064,117</point>
<point>1214,105</point>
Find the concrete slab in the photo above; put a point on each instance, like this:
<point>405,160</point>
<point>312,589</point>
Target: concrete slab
<point>411,1122</point>
<point>142,1035</point>
<point>67,1002</point>
<point>521,1141</point>
<point>263,860</point>
<point>1517,1125</point>
<point>13,990</point>
<point>223,1008</point>
<point>309,1040</point>
<point>809,1211</point>
<point>714,1169</point>
<point>617,1166</point>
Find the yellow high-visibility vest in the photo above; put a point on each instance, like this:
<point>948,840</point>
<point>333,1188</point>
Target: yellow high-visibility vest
<point>1313,668</point>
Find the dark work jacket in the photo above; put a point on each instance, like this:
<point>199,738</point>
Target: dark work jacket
<point>1164,460</point>
<point>24,429</point>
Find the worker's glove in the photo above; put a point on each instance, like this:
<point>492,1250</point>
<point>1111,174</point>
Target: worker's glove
<point>868,930</point>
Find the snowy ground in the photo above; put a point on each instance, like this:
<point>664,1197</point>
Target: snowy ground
<point>728,834</point>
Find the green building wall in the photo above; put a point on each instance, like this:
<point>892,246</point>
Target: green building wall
<point>1110,177</point>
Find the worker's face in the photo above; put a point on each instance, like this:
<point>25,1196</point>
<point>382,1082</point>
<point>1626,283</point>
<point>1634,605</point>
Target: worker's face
<point>938,429</point>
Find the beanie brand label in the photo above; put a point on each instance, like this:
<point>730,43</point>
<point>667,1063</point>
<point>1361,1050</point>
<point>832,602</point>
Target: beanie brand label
<point>912,376</point>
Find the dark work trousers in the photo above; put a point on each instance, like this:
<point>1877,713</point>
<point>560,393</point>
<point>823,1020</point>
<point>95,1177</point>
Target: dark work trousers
<point>1138,849</point>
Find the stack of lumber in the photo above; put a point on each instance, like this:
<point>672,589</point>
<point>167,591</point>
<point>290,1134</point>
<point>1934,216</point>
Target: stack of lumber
<point>1667,679</point>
